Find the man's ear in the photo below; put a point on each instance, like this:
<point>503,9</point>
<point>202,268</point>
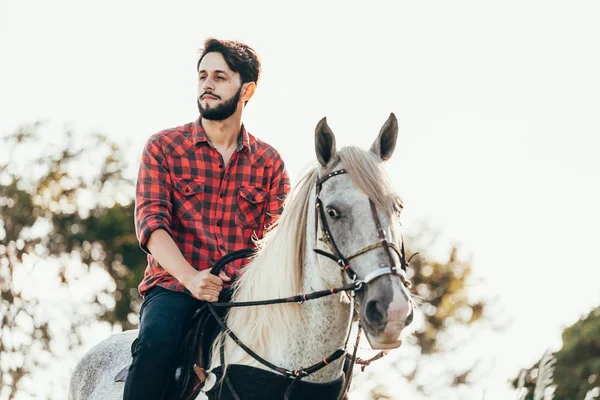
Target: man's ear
<point>248,90</point>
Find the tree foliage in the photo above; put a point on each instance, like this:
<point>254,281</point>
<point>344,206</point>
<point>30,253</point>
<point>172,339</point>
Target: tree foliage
<point>48,229</point>
<point>577,369</point>
<point>441,285</point>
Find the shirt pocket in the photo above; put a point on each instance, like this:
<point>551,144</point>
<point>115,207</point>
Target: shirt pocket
<point>251,206</point>
<point>188,198</point>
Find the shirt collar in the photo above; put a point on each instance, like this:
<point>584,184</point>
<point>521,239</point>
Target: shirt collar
<point>200,135</point>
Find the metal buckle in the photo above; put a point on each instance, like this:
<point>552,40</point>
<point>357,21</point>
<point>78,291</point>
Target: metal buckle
<point>296,373</point>
<point>406,282</point>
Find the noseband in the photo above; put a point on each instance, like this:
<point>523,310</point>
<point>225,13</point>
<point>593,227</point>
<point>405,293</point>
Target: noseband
<point>342,261</point>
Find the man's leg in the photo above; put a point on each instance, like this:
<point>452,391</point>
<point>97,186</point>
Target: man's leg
<point>164,316</point>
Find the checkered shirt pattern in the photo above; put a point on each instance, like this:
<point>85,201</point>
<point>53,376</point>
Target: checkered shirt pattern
<point>208,208</point>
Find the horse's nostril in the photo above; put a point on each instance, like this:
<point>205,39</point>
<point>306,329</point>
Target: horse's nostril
<point>375,313</point>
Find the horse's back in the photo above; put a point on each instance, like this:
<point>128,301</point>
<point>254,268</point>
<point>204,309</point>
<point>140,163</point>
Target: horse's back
<point>94,375</point>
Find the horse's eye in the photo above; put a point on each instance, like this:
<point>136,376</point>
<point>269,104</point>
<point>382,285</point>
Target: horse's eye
<point>333,213</point>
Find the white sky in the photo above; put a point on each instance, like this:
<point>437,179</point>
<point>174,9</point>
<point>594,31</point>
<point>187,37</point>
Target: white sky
<point>497,104</point>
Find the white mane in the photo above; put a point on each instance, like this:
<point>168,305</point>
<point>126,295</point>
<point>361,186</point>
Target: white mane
<point>276,270</point>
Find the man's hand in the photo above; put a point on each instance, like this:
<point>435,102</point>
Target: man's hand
<point>205,286</point>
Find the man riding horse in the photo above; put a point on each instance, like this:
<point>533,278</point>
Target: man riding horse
<point>204,189</point>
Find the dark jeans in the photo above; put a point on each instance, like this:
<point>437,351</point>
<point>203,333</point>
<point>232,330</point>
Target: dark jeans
<point>164,317</point>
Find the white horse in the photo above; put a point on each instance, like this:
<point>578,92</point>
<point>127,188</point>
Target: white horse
<point>339,228</point>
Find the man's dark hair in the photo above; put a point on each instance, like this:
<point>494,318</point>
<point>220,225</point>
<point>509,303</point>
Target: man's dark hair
<point>239,57</point>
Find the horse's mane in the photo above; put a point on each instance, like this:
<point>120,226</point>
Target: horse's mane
<point>276,270</point>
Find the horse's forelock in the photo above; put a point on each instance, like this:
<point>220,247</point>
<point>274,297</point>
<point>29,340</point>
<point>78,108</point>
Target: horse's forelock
<point>367,172</point>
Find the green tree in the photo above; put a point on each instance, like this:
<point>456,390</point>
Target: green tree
<point>577,368</point>
<point>46,225</point>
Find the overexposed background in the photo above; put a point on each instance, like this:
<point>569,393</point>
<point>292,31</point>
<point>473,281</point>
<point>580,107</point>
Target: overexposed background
<point>497,104</point>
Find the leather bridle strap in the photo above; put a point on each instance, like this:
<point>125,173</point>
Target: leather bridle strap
<point>348,373</point>
<point>225,376</point>
<point>360,252</point>
<point>300,298</point>
<point>283,371</point>
<point>382,238</point>
<point>319,211</point>
<point>337,255</point>
<point>229,257</point>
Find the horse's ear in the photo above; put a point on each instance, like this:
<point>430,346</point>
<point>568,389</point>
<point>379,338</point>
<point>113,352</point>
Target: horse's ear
<point>324,142</point>
<point>385,143</point>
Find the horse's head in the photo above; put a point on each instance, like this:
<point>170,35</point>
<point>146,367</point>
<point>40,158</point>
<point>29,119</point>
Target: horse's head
<point>358,216</point>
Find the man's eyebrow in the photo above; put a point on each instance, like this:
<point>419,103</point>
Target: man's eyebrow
<point>203,71</point>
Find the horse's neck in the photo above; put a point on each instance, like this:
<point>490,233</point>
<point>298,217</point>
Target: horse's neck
<point>325,321</point>
<point>318,332</point>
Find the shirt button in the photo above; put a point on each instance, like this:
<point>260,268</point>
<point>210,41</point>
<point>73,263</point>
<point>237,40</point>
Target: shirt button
<point>221,195</point>
<point>222,247</point>
<point>218,223</point>
<point>220,165</point>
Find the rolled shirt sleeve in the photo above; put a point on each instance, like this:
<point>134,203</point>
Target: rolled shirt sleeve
<point>153,193</point>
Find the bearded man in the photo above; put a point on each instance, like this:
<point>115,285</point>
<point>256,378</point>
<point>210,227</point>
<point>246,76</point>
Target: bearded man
<point>204,189</point>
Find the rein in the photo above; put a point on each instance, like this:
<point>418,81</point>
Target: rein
<point>354,285</point>
<point>300,298</point>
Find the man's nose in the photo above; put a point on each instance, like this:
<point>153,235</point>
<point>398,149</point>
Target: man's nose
<point>208,85</point>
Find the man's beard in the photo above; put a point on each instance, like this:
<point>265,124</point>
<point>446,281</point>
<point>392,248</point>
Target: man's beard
<point>222,111</point>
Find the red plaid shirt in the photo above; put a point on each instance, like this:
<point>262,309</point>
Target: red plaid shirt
<point>209,209</point>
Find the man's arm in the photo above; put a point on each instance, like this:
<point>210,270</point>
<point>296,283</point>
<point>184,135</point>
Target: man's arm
<point>152,193</point>
<point>280,188</point>
<point>153,220</point>
<point>202,284</point>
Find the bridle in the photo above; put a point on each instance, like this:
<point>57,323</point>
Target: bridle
<point>355,285</point>
<point>342,261</point>
<point>344,264</point>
